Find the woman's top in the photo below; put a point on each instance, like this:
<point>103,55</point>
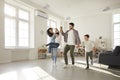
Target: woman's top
<point>52,39</point>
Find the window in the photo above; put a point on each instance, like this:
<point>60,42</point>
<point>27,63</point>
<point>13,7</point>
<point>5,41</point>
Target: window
<point>10,32</point>
<point>23,34</point>
<point>52,24</point>
<point>116,21</point>
<point>17,24</point>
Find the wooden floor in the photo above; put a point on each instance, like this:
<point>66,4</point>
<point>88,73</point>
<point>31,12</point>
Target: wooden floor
<point>45,70</point>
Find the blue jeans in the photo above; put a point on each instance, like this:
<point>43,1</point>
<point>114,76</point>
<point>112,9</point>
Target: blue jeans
<point>52,45</point>
<point>53,49</point>
<point>54,54</point>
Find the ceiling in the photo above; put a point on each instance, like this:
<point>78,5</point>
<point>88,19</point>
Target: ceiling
<point>76,8</point>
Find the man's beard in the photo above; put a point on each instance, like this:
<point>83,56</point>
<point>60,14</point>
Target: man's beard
<point>71,28</point>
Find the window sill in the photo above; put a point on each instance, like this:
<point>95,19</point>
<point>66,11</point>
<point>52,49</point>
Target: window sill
<point>13,48</point>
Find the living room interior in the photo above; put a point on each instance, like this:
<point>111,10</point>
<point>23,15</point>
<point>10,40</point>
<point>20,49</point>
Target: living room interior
<point>23,27</point>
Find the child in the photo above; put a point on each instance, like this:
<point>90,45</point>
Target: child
<point>89,46</point>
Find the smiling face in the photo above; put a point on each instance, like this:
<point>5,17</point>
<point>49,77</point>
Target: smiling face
<point>51,30</point>
<point>71,27</point>
<point>86,38</point>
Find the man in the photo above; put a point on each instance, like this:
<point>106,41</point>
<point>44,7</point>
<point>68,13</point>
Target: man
<point>71,37</point>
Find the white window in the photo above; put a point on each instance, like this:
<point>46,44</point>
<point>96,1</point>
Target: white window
<point>17,24</point>
<point>51,24</point>
<point>116,21</point>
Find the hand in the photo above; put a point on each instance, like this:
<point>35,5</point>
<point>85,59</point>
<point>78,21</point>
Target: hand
<point>94,49</point>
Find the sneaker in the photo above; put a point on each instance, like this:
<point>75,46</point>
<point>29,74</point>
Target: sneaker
<point>72,65</point>
<point>65,66</point>
<point>54,65</point>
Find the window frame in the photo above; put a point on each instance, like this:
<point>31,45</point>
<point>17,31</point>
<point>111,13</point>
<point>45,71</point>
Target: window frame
<point>17,19</point>
<point>49,26</point>
<point>50,20</point>
<point>114,23</point>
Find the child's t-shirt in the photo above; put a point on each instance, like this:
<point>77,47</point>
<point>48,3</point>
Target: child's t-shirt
<point>88,45</point>
<point>52,39</point>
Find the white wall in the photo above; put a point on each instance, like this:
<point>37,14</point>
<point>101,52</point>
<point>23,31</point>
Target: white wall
<point>40,32</point>
<point>9,55</point>
<point>4,54</point>
<point>19,54</point>
<point>95,25</point>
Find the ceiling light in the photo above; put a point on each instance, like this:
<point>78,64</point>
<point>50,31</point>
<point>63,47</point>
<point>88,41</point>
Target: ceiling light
<point>106,9</point>
<point>68,18</point>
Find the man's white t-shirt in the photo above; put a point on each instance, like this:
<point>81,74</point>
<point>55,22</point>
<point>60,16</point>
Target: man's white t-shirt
<point>71,38</point>
<point>89,45</point>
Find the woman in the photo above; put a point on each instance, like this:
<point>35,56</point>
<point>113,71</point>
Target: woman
<point>52,45</point>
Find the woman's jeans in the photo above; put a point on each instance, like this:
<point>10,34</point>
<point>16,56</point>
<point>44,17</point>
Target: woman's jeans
<point>53,49</point>
<point>54,55</point>
<point>52,45</point>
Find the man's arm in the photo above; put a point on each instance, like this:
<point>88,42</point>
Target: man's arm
<point>78,38</point>
<point>64,34</point>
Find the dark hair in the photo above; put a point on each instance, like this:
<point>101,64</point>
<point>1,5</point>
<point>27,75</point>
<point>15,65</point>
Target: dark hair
<point>87,35</point>
<point>72,24</point>
<point>49,33</point>
<point>57,33</point>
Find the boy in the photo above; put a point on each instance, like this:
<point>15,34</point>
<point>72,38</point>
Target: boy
<point>89,46</point>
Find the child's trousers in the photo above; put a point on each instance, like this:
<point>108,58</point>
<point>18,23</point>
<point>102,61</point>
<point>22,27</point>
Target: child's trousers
<point>89,54</point>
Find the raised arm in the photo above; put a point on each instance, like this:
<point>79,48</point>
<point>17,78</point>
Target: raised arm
<point>64,34</point>
<point>61,30</point>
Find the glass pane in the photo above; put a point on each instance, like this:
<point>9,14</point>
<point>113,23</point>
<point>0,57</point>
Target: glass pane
<point>116,42</point>
<point>117,27</point>
<point>23,15</point>
<point>116,18</point>
<point>23,42</point>
<point>10,32</point>
<point>23,33</point>
<point>116,35</point>
<point>9,10</point>
<point>53,24</point>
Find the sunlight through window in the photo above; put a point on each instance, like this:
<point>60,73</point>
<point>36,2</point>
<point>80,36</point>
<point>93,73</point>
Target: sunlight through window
<point>116,23</point>
<point>98,69</point>
<point>9,76</point>
<point>37,73</point>
<point>17,26</point>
